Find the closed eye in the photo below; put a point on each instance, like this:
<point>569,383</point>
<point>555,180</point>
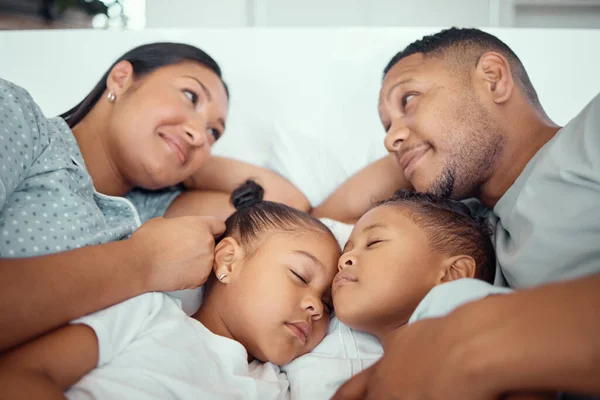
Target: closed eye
<point>299,277</point>
<point>373,242</point>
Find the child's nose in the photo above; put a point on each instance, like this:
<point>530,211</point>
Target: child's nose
<point>346,261</point>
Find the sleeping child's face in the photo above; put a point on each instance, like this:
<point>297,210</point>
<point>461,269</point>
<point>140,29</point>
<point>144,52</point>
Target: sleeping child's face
<point>386,269</point>
<point>279,296</point>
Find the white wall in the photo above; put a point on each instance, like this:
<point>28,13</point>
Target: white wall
<point>398,13</point>
<point>374,12</point>
<point>303,97</point>
<point>239,13</point>
<point>197,13</point>
<point>563,15</point>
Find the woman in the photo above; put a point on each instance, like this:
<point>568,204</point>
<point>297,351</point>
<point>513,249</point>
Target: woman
<point>71,188</point>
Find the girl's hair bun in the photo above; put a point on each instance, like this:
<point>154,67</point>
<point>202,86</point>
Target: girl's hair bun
<point>247,194</point>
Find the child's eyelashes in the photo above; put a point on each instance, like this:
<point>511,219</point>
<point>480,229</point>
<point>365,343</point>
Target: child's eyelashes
<point>299,277</point>
<point>372,243</point>
<point>327,304</point>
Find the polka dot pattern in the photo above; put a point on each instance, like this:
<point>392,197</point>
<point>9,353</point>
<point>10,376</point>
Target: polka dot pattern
<point>47,200</point>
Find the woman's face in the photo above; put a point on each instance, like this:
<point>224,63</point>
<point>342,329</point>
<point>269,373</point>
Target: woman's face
<point>279,300</point>
<point>162,125</point>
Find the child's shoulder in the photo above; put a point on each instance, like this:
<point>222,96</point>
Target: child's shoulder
<point>445,298</point>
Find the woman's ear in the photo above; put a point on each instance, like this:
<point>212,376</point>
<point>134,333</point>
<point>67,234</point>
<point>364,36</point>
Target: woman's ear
<point>228,253</point>
<point>120,78</point>
<point>458,267</point>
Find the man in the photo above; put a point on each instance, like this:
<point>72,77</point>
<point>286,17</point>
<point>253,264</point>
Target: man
<point>463,120</point>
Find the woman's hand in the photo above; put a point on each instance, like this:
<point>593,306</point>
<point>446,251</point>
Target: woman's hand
<point>177,253</point>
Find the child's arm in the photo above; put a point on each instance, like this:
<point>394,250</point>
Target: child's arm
<point>357,195</point>
<point>221,174</point>
<point>46,367</point>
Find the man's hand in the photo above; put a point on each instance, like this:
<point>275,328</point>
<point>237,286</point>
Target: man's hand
<point>418,364</point>
<point>539,340</point>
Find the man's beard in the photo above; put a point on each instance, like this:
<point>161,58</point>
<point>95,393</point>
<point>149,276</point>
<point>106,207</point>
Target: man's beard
<point>443,186</point>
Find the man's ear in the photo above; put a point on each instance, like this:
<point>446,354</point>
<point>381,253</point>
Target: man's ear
<point>458,267</point>
<point>228,253</point>
<point>120,78</point>
<point>495,72</point>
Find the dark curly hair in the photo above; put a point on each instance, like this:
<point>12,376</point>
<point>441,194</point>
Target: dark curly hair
<point>467,45</point>
<point>254,216</point>
<point>450,228</point>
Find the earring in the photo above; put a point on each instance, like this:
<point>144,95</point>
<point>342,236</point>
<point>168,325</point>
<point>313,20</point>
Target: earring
<point>221,277</point>
<point>111,96</point>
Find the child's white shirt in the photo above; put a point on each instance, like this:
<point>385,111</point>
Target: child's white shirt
<point>150,349</point>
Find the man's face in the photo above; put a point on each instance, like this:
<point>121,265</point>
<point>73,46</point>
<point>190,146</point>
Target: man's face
<point>446,142</point>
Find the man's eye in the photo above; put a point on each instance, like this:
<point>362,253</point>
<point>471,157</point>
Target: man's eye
<point>406,99</point>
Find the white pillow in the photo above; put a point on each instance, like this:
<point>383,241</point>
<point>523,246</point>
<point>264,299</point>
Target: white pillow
<point>306,161</point>
<point>340,230</point>
<point>343,353</point>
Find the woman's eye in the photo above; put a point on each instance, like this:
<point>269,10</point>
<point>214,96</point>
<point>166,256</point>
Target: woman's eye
<point>300,277</point>
<point>191,95</point>
<point>406,99</point>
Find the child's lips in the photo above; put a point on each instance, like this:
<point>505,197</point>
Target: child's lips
<point>302,330</point>
<point>343,278</point>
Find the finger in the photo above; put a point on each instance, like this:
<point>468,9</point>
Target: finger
<point>215,225</point>
<point>355,388</point>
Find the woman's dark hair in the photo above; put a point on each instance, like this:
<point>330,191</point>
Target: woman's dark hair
<point>144,59</point>
<point>254,216</point>
<point>450,228</point>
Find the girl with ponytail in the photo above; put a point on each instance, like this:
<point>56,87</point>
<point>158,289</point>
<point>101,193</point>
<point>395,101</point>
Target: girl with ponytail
<point>266,302</point>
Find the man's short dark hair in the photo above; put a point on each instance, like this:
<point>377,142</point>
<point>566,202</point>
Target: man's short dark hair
<point>450,229</point>
<point>468,45</point>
